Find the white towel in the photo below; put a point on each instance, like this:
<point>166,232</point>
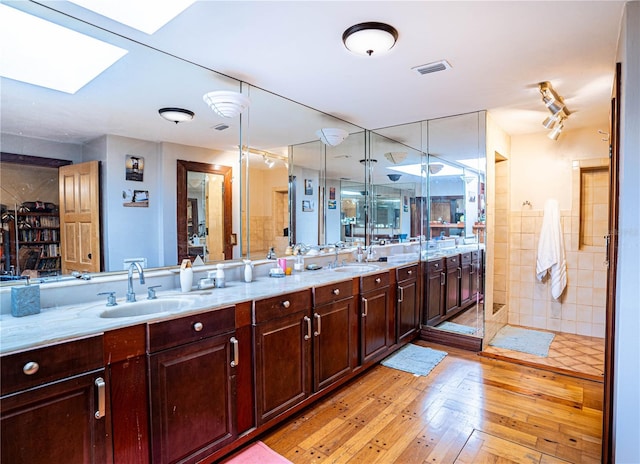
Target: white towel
<point>551,256</point>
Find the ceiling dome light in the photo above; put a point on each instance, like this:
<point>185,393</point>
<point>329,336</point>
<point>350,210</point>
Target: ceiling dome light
<point>394,177</point>
<point>332,136</point>
<point>176,114</point>
<point>435,168</point>
<point>226,103</point>
<point>369,38</point>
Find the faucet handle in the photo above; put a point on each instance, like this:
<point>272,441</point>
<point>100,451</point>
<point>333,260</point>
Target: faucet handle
<point>111,299</point>
<point>151,292</point>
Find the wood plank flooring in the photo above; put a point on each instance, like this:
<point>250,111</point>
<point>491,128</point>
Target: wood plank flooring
<point>469,409</point>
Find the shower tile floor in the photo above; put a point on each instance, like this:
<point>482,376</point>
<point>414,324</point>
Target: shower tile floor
<point>568,354</point>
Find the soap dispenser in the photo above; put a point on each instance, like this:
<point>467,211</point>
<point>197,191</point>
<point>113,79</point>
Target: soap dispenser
<point>248,270</point>
<point>220,279</point>
<point>25,300</point>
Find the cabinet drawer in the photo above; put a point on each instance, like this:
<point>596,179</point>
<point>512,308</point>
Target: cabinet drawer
<point>453,261</point>
<point>332,292</point>
<point>279,306</point>
<point>167,334</point>
<point>43,365</point>
<point>435,266</point>
<point>371,282</point>
<point>407,272</point>
<point>465,258</point>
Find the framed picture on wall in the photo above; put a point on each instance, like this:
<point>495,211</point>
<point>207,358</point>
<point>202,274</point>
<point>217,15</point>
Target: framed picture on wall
<point>332,204</point>
<point>307,205</point>
<point>134,168</point>
<point>308,187</point>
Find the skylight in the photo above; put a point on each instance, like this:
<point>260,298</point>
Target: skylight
<point>416,170</point>
<point>144,15</point>
<point>42,53</point>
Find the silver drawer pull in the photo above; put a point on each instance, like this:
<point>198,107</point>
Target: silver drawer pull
<point>365,305</point>
<point>378,280</point>
<point>236,353</point>
<point>401,296</point>
<point>410,272</point>
<point>286,303</point>
<point>31,368</point>
<point>198,326</point>
<point>100,387</point>
<point>336,291</point>
<point>319,324</point>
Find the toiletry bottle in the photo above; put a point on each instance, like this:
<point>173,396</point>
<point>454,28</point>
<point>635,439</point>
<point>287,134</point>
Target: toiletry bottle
<point>186,276</point>
<point>298,266</point>
<point>248,270</point>
<point>220,279</point>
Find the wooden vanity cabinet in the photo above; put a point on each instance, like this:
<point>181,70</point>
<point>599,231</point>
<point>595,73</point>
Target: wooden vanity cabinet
<point>282,341</point>
<point>54,406</point>
<point>452,284</point>
<point>434,291</point>
<point>334,333</point>
<point>375,312</point>
<point>475,274</point>
<point>192,385</point>
<point>407,309</point>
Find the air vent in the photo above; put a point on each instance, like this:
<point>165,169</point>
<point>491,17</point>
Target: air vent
<point>221,127</point>
<point>429,68</point>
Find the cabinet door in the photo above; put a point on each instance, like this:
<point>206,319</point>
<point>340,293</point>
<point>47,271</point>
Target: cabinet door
<point>192,389</point>
<point>408,318</point>
<point>55,423</point>
<point>465,283</point>
<point>452,292</point>
<point>374,323</point>
<point>332,342</point>
<point>283,364</point>
<point>474,274</point>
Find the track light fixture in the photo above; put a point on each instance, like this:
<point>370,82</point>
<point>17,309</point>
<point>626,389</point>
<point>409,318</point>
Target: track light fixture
<point>555,104</point>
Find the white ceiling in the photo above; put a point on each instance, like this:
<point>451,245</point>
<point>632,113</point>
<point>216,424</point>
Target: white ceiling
<point>499,51</point>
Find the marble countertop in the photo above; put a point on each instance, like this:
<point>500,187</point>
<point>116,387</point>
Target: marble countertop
<point>59,323</point>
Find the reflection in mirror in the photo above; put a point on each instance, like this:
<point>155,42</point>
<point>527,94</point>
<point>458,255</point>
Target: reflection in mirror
<point>204,211</point>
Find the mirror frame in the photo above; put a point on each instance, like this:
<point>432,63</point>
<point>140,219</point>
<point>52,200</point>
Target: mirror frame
<point>181,208</point>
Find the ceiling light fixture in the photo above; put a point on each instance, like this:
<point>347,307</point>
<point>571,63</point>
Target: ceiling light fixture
<point>396,157</point>
<point>394,177</point>
<point>369,38</point>
<point>176,114</point>
<point>269,162</point>
<point>332,136</point>
<point>555,104</point>
<point>226,103</point>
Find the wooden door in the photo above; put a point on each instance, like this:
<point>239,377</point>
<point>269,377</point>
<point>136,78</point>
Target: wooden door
<point>55,423</point>
<point>374,311</point>
<point>192,391</point>
<point>434,287</point>
<point>332,342</point>
<point>452,293</point>
<point>79,188</point>
<point>408,313</point>
<point>466,275</point>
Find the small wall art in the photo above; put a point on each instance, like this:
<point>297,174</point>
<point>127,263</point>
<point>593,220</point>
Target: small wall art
<point>332,204</point>
<point>307,206</point>
<point>134,168</point>
<point>308,187</point>
<point>135,198</point>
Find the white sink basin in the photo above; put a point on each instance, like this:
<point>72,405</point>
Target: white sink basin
<point>146,307</point>
<point>354,268</point>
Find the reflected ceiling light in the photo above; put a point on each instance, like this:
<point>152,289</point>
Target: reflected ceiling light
<point>269,162</point>
<point>394,177</point>
<point>396,157</point>
<point>369,38</point>
<point>435,168</point>
<point>332,136</point>
<point>226,103</point>
<point>551,121</point>
<point>176,114</point>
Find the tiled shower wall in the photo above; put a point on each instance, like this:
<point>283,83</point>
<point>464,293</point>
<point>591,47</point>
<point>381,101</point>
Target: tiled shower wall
<point>581,308</point>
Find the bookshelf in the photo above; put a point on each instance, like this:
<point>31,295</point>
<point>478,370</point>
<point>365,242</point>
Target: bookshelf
<point>35,242</point>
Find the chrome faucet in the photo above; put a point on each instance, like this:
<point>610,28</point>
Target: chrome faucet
<point>131,297</point>
<point>337,247</point>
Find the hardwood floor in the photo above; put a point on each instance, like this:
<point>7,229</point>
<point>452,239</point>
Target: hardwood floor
<point>469,409</point>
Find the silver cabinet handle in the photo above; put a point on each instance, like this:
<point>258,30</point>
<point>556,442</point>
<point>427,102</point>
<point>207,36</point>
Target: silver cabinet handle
<point>366,307</point>
<point>410,271</point>
<point>308,321</point>
<point>459,273</point>
<point>443,278</point>
<point>31,368</point>
<point>336,291</point>
<point>198,326</point>
<point>236,352</point>
<point>401,298</point>
<point>286,303</point>
<point>378,280</point>
<point>100,387</point>
<point>319,324</point>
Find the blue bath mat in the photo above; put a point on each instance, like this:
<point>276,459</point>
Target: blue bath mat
<point>524,340</point>
<point>458,328</point>
<point>418,360</point>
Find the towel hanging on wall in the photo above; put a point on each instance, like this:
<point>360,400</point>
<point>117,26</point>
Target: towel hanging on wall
<point>551,257</point>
